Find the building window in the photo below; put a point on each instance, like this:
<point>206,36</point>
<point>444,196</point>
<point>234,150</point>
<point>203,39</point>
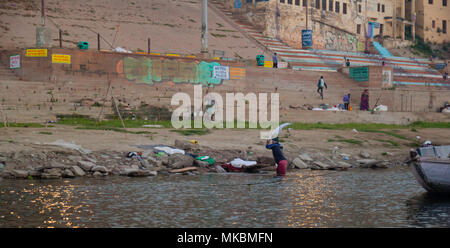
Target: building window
<point>304,3</point>
<point>444,27</point>
<point>433,24</point>
<point>381,29</point>
<point>336,8</point>
<point>297,2</point>
<point>282,1</point>
<point>378,7</point>
<point>344,8</point>
<point>430,1</point>
<point>359,8</point>
<point>324,4</point>
<point>289,1</point>
<point>358,28</point>
<point>444,2</point>
<point>382,8</point>
<point>317,4</point>
<point>330,5</point>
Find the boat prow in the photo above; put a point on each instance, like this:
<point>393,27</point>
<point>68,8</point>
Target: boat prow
<point>432,170</point>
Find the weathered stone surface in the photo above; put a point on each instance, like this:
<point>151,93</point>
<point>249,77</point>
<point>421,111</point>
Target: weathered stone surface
<point>15,155</point>
<point>305,157</point>
<point>20,173</point>
<point>135,166</point>
<point>139,173</point>
<point>219,169</point>
<point>153,173</point>
<point>7,174</point>
<point>147,154</point>
<point>344,165</point>
<point>382,165</point>
<point>3,159</point>
<point>127,171</point>
<point>85,165</point>
<point>67,173</point>
<point>97,174</point>
<point>320,166</point>
<point>366,163</point>
<point>77,171</point>
<point>51,173</point>
<point>56,164</point>
<point>164,159</point>
<point>99,168</point>
<point>185,145</point>
<point>177,161</point>
<point>159,164</point>
<point>202,164</point>
<point>265,161</point>
<point>299,164</point>
<point>74,158</point>
<point>92,160</point>
<point>146,164</point>
<point>364,154</point>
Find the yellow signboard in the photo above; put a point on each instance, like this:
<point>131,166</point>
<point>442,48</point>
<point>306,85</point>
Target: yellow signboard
<point>268,64</point>
<point>237,73</point>
<point>361,46</point>
<point>61,58</point>
<point>172,55</point>
<point>36,53</point>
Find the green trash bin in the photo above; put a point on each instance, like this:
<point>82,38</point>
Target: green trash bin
<point>260,59</point>
<point>83,45</point>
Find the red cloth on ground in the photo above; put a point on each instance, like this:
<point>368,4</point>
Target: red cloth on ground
<point>230,168</point>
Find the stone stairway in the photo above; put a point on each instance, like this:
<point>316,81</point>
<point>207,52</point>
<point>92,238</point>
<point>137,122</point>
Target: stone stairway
<point>407,71</point>
<point>6,73</point>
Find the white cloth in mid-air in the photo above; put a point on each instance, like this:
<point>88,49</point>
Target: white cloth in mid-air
<point>277,130</point>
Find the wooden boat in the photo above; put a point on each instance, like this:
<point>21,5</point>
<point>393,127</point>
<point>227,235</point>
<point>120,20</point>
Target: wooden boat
<point>432,169</point>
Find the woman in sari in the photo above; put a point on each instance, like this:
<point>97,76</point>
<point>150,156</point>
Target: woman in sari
<point>365,100</point>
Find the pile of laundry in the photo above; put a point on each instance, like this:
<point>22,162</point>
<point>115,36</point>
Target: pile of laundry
<point>240,165</point>
<point>339,107</point>
<point>445,108</point>
<point>186,156</point>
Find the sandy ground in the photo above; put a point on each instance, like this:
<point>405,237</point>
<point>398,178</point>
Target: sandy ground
<point>174,26</point>
<point>295,141</point>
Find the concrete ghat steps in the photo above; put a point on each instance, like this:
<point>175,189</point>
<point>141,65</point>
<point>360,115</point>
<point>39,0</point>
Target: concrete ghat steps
<point>6,73</point>
<point>407,69</point>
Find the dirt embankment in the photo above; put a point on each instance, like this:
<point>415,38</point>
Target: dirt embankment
<point>63,151</point>
<point>173,26</point>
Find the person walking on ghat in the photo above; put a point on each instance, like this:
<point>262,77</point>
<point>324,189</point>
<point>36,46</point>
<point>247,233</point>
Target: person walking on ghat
<point>320,85</point>
<point>275,60</point>
<point>278,156</point>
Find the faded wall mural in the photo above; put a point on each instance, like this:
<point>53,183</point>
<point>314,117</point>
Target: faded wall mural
<point>334,40</point>
<point>149,71</point>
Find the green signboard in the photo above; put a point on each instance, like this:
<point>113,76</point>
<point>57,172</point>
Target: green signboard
<point>359,74</point>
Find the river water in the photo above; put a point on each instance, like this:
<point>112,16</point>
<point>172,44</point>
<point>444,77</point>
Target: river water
<point>354,198</point>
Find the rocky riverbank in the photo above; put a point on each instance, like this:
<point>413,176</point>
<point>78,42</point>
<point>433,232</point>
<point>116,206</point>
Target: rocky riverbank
<point>63,161</point>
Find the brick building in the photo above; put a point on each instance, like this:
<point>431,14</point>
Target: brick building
<point>344,25</point>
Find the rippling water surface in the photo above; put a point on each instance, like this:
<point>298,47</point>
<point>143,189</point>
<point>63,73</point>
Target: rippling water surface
<point>355,198</point>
